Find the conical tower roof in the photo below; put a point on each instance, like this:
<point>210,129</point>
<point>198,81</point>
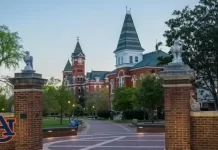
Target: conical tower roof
<point>128,37</point>
<point>68,67</point>
<point>78,49</point>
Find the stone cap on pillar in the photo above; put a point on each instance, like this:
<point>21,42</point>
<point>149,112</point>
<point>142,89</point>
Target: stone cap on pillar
<point>177,71</point>
<point>28,80</point>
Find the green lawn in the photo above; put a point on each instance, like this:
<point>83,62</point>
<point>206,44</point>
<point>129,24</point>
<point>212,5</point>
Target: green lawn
<point>52,123</point>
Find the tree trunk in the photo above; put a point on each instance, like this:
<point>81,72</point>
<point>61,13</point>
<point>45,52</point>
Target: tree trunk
<point>144,114</point>
<point>61,117</point>
<point>152,115</point>
<point>69,117</point>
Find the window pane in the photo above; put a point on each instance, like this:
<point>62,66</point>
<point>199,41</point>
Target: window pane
<point>130,59</point>
<point>136,59</point>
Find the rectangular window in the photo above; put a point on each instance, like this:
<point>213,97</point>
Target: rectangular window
<point>118,60</point>
<point>136,59</point>
<point>121,82</point>
<point>94,88</point>
<point>121,60</point>
<point>130,59</point>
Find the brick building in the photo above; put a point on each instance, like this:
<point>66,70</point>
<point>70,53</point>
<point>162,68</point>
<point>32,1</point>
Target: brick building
<point>74,75</point>
<point>131,65</point>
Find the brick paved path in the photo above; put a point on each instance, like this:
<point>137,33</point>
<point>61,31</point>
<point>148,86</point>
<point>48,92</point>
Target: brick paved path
<point>107,136</point>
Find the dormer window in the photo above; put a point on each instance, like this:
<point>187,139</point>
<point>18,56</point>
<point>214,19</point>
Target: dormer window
<point>136,59</point>
<point>130,59</point>
<point>97,79</point>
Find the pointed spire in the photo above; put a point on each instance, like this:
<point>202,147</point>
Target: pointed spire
<point>68,67</point>
<point>78,49</point>
<point>128,11</point>
<point>128,37</point>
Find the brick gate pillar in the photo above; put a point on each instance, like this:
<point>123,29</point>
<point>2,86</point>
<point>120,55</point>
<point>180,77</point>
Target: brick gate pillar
<point>28,110</point>
<point>177,88</point>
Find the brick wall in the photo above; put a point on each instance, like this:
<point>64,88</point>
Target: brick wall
<point>177,116</point>
<point>59,132</point>
<point>155,128</point>
<point>28,129</point>
<point>28,110</point>
<point>204,130</point>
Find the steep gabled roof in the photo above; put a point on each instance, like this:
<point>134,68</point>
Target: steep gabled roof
<point>77,50</point>
<point>128,37</point>
<point>150,59</point>
<point>68,67</point>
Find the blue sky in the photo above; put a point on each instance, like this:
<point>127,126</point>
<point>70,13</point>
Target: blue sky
<point>49,28</point>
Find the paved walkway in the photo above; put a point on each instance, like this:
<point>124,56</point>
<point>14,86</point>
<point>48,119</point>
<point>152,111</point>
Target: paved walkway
<point>102,135</point>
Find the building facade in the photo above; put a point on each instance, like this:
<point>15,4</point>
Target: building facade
<point>132,64</point>
<point>74,75</point>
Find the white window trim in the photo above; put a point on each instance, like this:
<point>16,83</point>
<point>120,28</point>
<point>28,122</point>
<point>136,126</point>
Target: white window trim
<point>121,81</point>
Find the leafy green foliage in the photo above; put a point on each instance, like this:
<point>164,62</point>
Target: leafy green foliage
<point>57,99</point>
<point>10,48</point>
<point>157,46</point>
<point>124,98</point>
<point>198,28</point>
<point>54,82</point>
<point>98,100</point>
<point>78,110</point>
<point>150,94</point>
<point>65,99</point>
<point>50,104</point>
<point>3,103</point>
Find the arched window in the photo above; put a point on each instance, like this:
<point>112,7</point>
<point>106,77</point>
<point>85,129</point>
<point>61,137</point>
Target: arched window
<point>111,86</point>
<point>134,81</point>
<point>121,81</point>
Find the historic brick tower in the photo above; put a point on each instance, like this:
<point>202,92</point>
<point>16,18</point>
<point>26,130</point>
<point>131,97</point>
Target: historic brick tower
<point>74,75</point>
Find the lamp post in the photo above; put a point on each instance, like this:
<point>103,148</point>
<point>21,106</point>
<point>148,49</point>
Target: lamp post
<point>3,109</point>
<point>73,109</point>
<point>93,107</point>
<point>69,113</point>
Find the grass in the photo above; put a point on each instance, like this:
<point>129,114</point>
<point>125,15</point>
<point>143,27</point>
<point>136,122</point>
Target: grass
<point>52,123</point>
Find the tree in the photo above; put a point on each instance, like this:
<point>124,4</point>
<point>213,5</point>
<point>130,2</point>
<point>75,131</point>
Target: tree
<point>50,104</point>
<point>78,110</point>
<point>3,103</point>
<point>65,99</point>
<point>98,100</point>
<point>124,98</point>
<point>158,45</point>
<point>149,94</point>
<point>198,28</point>
<point>101,100</point>
<point>10,48</point>
<point>10,103</point>
<point>54,82</point>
